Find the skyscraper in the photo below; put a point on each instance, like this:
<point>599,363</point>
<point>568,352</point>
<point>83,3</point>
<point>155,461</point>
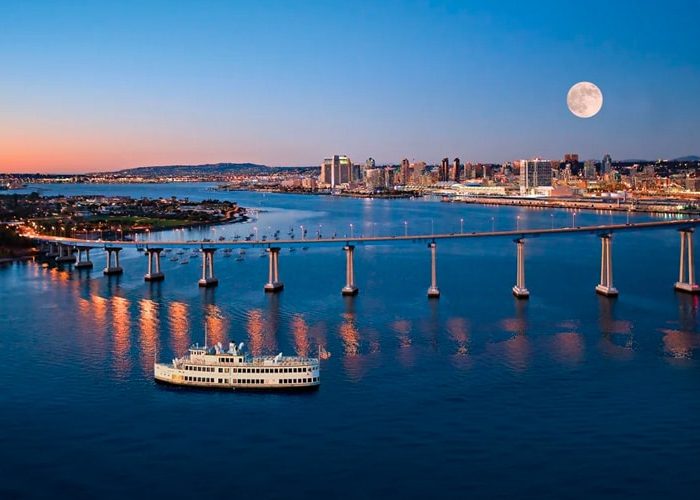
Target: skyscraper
<point>444,171</point>
<point>533,174</point>
<point>589,170</point>
<point>405,171</point>
<point>456,174</point>
<point>606,166</point>
<point>336,170</point>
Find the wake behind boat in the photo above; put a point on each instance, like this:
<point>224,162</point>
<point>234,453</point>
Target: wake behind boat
<point>232,369</point>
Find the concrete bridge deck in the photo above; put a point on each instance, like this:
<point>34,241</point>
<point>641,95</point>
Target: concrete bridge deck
<point>343,240</point>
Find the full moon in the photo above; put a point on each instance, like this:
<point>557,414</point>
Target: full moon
<point>584,99</point>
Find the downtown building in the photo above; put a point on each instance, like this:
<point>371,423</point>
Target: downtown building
<point>535,176</point>
<point>335,171</point>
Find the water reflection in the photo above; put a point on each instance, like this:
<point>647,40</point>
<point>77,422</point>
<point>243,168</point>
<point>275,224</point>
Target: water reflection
<point>683,342</point>
<point>680,344</point>
<point>458,330</point>
<point>121,326</point>
<point>354,363</point>
<point>216,325</point>
<point>300,331</point>
<point>617,339</point>
<point>403,328</point>
<point>568,347</point>
<point>149,322</point>
<point>431,325</point>
<point>178,319</point>
<point>517,348</point>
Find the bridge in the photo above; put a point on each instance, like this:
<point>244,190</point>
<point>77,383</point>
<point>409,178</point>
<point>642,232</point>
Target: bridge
<point>63,249</point>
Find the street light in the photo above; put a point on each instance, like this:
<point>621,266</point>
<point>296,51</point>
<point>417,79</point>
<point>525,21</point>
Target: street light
<point>405,228</point>
<point>302,232</point>
<point>517,223</point>
<point>255,229</point>
<point>552,217</point>
<point>493,224</point>
<point>432,227</point>
<point>351,233</point>
<point>573,219</point>
<point>461,226</point>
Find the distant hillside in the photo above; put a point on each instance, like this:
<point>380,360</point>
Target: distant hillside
<point>210,169</point>
<point>688,158</point>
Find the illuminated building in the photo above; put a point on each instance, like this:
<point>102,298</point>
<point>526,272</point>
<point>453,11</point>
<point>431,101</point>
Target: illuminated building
<point>534,174</point>
<point>336,170</point>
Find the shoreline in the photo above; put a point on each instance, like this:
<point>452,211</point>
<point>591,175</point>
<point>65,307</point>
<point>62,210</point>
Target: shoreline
<point>574,204</point>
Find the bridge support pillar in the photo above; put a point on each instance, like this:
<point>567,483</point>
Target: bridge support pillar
<point>273,284</point>
<point>520,290</point>
<point>208,279</point>
<point>154,273</point>
<point>53,250</point>
<point>686,275</point>
<point>83,263</point>
<point>113,266</point>
<point>65,254</point>
<point>433,290</point>
<point>349,288</point>
<point>605,287</point>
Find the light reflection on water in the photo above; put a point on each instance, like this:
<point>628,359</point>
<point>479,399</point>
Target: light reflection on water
<point>149,322</point>
<point>121,327</point>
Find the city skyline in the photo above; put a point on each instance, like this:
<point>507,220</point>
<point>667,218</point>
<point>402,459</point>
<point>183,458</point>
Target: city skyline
<point>92,87</point>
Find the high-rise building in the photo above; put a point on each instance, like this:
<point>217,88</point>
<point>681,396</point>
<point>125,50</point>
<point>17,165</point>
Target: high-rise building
<point>589,172</point>
<point>405,171</point>
<point>369,163</point>
<point>535,173</point>
<point>456,173</point>
<point>374,178</point>
<point>389,177</point>
<point>336,170</point>
<point>571,159</point>
<point>417,171</point>
<point>444,170</point>
<point>606,166</point>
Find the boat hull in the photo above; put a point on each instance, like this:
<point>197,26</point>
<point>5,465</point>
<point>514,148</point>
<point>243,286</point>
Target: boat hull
<point>167,374</point>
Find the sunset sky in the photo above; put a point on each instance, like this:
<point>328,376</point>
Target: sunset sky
<point>88,86</point>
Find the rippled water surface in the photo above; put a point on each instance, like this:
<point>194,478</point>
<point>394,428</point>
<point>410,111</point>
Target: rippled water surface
<point>476,394</point>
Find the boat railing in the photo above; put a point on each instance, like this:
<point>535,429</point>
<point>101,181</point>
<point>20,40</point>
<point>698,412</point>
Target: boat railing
<point>257,361</point>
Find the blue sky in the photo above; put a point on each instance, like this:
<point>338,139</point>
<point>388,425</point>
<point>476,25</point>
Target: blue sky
<point>103,85</point>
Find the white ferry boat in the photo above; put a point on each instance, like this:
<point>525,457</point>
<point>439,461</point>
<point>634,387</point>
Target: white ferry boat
<point>232,369</point>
